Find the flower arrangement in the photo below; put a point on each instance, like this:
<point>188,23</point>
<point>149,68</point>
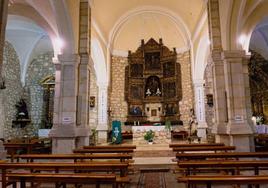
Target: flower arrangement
<point>259,120</point>
<point>149,136</point>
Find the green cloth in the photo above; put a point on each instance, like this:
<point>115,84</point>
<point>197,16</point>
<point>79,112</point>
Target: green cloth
<point>116,132</point>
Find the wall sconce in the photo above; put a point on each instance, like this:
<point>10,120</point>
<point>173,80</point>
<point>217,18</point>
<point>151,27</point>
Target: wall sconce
<point>210,100</point>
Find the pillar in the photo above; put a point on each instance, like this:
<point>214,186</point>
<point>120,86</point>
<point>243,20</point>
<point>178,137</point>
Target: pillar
<point>3,21</point>
<point>83,69</point>
<point>231,89</point>
<point>200,109</point>
<point>217,68</point>
<point>102,127</point>
<point>239,126</point>
<point>64,132</point>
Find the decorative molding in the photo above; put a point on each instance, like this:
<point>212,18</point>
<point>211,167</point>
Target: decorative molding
<point>200,24</point>
<point>120,53</point>
<point>183,49</point>
<point>98,31</point>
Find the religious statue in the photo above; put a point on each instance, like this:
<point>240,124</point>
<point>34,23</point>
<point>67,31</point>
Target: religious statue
<point>22,112</point>
<point>153,86</point>
<point>148,92</point>
<point>158,92</point>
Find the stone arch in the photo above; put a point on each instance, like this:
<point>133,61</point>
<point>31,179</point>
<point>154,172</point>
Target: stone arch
<point>201,58</point>
<point>99,62</point>
<point>178,21</point>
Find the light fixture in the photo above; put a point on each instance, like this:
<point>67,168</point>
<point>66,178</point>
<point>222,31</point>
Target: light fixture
<point>241,39</point>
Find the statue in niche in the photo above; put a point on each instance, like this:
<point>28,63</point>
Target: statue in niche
<point>136,70</point>
<point>22,112</point>
<point>170,90</point>
<point>153,86</point>
<point>136,111</point>
<point>169,69</point>
<point>136,91</point>
<point>158,92</point>
<point>152,61</point>
<point>148,92</point>
<point>171,109</point>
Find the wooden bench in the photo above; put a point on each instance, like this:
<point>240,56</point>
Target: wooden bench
<point>231,166</point>
<point>61,179</point>
<point>108,150</point>
<point>191,181</point>
<point>75,157</point>
<point>111,147</point>
<point>204,148</point>
<point>174,145</point>
<point>58,168</point>
<point>222,155</point>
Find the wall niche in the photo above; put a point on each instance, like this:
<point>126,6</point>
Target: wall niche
<point>153,84</point>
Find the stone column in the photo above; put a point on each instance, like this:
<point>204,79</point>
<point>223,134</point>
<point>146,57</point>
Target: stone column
<point>83,82</point>
<point>239,126</point>
<point>219,97</point>
<point>3,21</point>
<point>82,101</point>
<point>102,127</point>
<point>63,132</point>
<point>200,109</point>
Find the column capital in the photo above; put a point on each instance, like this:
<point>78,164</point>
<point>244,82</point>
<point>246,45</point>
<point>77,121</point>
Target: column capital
<point>69,59</point>
<point>230,54</point>
<point>198,82</point>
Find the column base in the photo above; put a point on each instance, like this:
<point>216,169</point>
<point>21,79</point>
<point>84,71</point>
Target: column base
<point>102,136</point>
<point>202,131</point>
<point>63,145</point>
<point>243,143</point>
<point>65,138</point>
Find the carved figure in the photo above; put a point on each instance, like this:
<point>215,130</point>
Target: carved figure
<point>22,112</point>
<point>148,92</point>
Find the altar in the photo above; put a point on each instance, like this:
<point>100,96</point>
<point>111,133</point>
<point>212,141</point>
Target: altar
<point>162,135</point>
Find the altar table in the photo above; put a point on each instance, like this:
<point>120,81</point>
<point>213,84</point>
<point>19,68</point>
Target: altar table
<point>162,135</point>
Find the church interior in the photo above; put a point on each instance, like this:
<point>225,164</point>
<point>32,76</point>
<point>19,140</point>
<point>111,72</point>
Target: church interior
<point>136,93</point>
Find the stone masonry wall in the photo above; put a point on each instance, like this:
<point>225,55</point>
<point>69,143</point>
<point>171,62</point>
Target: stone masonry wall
<point>93,111</point>
<point>40,68</point>
<point>209,110</point>
<point>187,101</point>
<point>13,92</point>
<point>117,95</point>
<point>117,99</point>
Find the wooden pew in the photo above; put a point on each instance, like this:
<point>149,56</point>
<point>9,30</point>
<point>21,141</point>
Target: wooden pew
<point>109,150</point>
<point>204,148</point>
<point>174,145</point>
<point>191,181</point>
<point>63,179</point>
<point>76,157</point>
<point>111,147</point>
<point>222,155</point>
<point>231,166</point>
<point>62,167</point>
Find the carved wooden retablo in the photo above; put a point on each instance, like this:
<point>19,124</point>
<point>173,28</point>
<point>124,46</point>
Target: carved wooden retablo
<point>153,84</point>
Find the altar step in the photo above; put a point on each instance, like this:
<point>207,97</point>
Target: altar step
<point>154,150</point>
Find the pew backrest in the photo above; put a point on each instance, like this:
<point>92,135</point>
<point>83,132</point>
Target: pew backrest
<point>204,148</point>
<point>174,145</point>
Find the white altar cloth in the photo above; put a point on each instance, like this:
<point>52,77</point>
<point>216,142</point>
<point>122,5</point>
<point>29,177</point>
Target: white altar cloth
<point>162,135</point>
<point>147,128</point>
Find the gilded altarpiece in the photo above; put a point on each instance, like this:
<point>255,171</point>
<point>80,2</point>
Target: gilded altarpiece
<point>153,84</point>
<point>258,77</point>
